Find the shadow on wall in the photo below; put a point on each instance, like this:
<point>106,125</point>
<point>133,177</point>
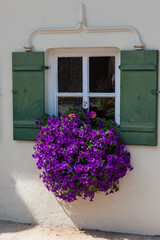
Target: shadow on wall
<point>12,206</point>
<point>105,212</point>
<point>12,227</point>
<point>16,181</point>
<point>82,213</point>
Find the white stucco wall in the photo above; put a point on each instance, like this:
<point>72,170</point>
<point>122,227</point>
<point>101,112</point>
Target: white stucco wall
<point>23,198</point>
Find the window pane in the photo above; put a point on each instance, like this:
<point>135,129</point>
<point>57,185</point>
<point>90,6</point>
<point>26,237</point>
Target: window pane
<point>70,74</point>
<point>64,103</point>
<point>104,107</point>
<point>102,74</point>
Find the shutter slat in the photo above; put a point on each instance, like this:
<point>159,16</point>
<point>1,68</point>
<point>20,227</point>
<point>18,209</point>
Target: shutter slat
<point>24,124</point>
<point>138,106</point>
<point>28,97</point>
<point>28,68</point>
<point>140,67</point>
<point>137,128</point>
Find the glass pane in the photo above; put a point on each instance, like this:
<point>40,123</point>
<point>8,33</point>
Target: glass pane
<point>64,103</point>
<point>70,74</point>
<point>104,107</point>
<point>102,74</point>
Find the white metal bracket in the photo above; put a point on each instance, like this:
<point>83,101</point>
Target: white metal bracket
<point>82,26</point>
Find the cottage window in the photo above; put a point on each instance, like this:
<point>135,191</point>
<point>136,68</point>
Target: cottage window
<point>86,75</point>
<point>137,88</point>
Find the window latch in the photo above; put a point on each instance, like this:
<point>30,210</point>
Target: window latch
<point>154,91</point>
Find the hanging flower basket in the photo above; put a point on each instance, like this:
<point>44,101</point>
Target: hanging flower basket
<point>80,154</point>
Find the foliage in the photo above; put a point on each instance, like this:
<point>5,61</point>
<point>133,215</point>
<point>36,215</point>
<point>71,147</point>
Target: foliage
<point>80,155</point>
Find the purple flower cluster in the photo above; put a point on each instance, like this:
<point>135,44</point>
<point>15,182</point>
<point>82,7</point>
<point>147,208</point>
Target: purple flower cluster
<point>78,160</point>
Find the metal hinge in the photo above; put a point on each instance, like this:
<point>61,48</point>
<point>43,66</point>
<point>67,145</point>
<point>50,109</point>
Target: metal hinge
<point>154,91</point>
<point>45,67</point>
<point>14,90</point>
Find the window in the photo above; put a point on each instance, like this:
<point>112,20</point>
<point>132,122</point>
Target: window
<point>78,75</point>
<point>138,98</point>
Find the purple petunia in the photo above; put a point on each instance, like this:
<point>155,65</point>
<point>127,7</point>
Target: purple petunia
<point>79,160</point>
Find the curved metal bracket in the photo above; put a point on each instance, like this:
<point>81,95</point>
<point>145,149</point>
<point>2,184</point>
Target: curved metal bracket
<point>83,27</point>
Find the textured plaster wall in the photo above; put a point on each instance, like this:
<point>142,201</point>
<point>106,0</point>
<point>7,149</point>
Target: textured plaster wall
<point>135,208</point>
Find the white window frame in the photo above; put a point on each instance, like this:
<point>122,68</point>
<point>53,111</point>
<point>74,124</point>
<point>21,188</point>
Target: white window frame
<point>51,84</point>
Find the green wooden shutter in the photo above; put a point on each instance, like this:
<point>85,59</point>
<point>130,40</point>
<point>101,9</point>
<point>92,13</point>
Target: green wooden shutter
<point>28,93</point>
<point>138,105</point>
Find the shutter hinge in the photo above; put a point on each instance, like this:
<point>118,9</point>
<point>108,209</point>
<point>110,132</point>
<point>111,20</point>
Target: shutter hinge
<point>154,91</point>
<point>45,67</point>
<point>14,90</point>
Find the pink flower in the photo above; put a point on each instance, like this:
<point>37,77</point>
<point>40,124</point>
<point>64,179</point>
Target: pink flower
<point>72,115</point>
<point>93,115</point>
<point>110,101</point>
<point>85,102</point>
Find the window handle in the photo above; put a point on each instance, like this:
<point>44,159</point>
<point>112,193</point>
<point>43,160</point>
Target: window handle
<point>154,91</point>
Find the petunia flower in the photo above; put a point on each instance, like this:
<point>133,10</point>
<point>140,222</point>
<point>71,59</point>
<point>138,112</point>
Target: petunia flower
<point>93,115</point>
<point>81,157</point>
<point>72,115</point>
